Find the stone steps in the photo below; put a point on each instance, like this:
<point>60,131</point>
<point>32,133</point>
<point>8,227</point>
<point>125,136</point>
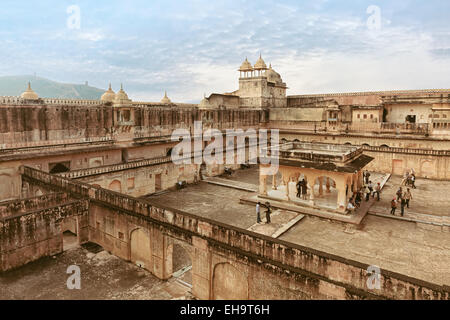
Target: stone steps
<point>232,184</point>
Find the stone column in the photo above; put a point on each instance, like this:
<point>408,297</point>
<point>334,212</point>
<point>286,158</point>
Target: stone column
<point>311,181</point>
<point>358,180</point>
<point>262,185</point>
<point>201,269</point>
<point>328,185</point>
<point>342,198</point>
<point>287,188</point>
<point>311,194</point>
<point>285,179</point>
<point>320,186</point>
<point>274,182</point>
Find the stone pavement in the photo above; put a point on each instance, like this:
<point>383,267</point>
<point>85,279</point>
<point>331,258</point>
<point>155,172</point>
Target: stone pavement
<point>280,222</point>
<point>431,197</point>
<point>103,277</point>
<point>400,246</point>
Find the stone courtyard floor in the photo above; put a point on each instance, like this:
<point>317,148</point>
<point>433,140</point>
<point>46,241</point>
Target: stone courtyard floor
<point>103,277</point>
<point>399,246</point>
<point>431,197</point>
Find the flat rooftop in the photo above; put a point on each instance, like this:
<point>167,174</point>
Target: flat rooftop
<point>320,156</point>
<point>400,246</point>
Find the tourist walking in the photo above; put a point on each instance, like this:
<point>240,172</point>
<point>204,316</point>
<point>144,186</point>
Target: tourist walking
<point>258,212</point>
<point>413,181</point>
<point>405,179</point>
<point>399,193</point>
<point>367,192</point>
<point>407,196</point>
<point>367,176</point>
<point>370,186</point>
<point>402,206</point>
<point>377,191</point>
<point>393,206</point>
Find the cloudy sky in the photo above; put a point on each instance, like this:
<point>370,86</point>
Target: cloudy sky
<point>194,47</point>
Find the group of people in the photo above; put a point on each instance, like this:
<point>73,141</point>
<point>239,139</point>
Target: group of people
<point>302,189</point>
<point>258,211</point>
<point>367,190</point>
<point>409,179</point>
<point>403,198</point>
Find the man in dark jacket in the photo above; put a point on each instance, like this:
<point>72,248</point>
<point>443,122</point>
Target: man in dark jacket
<point>393,206</point>
<point>268,212</point>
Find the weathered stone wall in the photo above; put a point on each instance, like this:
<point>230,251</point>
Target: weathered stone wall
<point>28,236</point>
<point>295,114</point>
<point>429,158</point>
<point>258,263</point>
<point>17,207</point>
<point>28,123</point>
<point>52,122</point>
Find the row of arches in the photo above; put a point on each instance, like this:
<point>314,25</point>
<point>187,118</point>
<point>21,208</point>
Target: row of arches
<point>284,140</point>
<point>228,283</point>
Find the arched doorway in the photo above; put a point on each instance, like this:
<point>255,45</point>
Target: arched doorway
<point>140,250</point>
<point>179,263</point>
<point>59,167</point>
<point>427,169</point>
<point>115,186</point>
<point>229,283</point>
<point>325,192</point>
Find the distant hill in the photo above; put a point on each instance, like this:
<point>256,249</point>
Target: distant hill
<point>15,85</point>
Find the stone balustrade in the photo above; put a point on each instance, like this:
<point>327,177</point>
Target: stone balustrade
<point>115,167</point>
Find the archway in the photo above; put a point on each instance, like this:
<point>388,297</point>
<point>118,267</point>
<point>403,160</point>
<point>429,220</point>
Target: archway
<point>6,187</point>
<point>140,250</point>
<point>229,283</point>
<point>59,167</point>
<point>115,186</point>
<point>180,263</point>
<point>427,169</point>
<point>70,231</point>
<point>325,192</point>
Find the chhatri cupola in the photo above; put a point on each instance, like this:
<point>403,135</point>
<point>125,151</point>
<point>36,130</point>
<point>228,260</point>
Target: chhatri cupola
<point>29,94</point>
<point>124,113</point>
<point>260,66</point>
<point>109,95</point>
<point>165,99</point>
<point>121,98</point>
<point>246,69</point>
